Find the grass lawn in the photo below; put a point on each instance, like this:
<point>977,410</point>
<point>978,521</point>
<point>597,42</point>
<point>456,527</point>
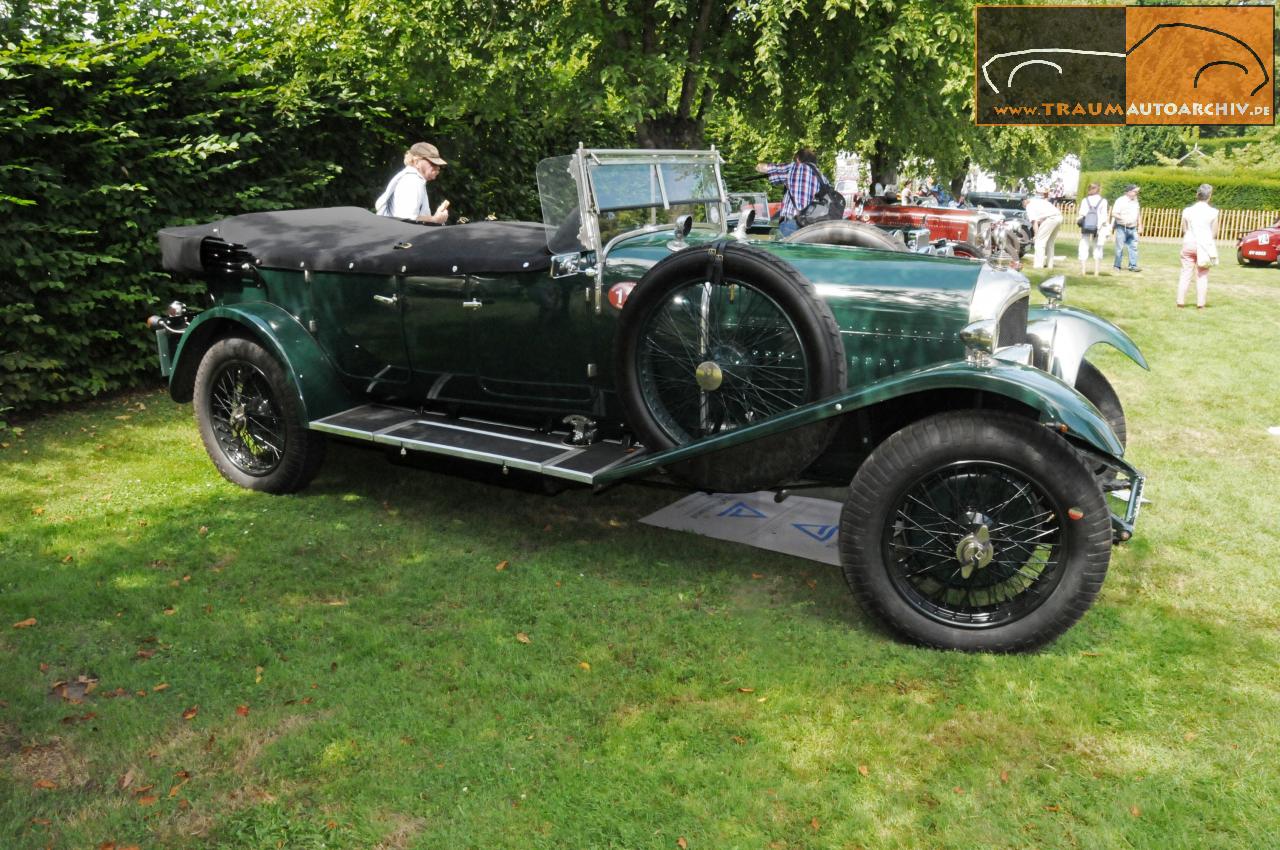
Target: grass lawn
<point>400,658</point>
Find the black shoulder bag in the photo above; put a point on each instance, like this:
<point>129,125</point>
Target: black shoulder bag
<point>827,204</point>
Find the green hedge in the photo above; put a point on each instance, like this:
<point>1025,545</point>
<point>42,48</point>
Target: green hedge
<point>104,143</point>
<point>1226,144</point>
<point>1176,188</point>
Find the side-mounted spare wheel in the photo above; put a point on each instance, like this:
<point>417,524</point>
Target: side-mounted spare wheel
<point>248,416</point>
<point>706,347</point>
<point>977,531</point>
<point>846,232</point>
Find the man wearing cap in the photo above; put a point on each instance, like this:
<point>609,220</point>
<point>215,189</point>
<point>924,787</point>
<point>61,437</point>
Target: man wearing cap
<point>406,194</point>
<point>1127,217</point>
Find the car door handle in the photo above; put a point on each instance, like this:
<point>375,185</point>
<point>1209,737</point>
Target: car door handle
<point>473,304</point>
<point>389,300</point>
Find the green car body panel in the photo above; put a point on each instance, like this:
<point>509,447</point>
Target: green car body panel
<point>1058,405</point>
<point>312,375</point>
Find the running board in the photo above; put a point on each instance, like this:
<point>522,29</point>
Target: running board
<point>476,439</point>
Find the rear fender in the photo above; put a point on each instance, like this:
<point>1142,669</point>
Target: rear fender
<point>319,388</point>
<point>1063,335</point>
<point>1057,404</point>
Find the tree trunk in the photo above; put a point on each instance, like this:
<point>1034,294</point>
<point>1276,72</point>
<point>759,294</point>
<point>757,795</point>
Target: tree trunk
<point>671,132</point>
<point>884,166</point>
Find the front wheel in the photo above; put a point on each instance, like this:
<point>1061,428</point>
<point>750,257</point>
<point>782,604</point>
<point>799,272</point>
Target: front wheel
<point>975,531</point>
<point>249,419</point>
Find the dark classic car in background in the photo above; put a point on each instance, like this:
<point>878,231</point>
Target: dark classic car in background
<point>1009,206</point>
<point>1259,247</point>
<point>631,335</point>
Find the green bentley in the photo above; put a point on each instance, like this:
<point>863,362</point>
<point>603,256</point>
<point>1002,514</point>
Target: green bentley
<point>632,334</point>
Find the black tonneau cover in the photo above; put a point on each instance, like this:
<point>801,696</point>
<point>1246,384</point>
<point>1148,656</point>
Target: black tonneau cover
<point>350,239</point>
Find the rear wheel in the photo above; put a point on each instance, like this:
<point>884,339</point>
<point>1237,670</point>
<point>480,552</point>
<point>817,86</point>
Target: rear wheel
<point>698,358</point>
<point>249,419</point>
<point>975,531</point>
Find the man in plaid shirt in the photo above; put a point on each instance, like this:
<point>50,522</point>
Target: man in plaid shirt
<point>802,182</point>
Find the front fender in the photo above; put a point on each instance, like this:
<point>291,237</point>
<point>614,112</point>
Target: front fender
<point>1058,405</point>
<point>1068,332</point>
<point>319,388</point>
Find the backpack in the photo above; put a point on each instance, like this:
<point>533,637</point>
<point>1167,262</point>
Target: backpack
<point>1089,221</point>
<point>827,204</point>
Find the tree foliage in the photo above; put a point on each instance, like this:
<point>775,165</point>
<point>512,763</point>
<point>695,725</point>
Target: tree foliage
<point>119,119</point>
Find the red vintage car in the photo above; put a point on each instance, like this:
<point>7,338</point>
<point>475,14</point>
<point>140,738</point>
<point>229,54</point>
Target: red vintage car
<point>960,225</point>
<point>1259,247</point>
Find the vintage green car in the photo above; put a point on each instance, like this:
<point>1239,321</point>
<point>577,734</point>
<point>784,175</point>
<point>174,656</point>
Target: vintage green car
<point>631,334</point>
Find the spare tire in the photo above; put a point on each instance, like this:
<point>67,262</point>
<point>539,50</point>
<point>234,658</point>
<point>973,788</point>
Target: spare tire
<point>845,232</point>
<point>698,357</point>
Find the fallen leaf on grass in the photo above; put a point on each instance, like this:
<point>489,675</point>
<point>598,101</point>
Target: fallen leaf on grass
<point>757,576</point>
<point>682,844</point>
<point>68,559</point>
<point>204,531</point>
<point>1135,811</point>
<point>523,638</point>
<point>1053,808</point>
<point>141,790</point>
<point>125,781</point>
<point>242,710</point>
<point>44,784</point>
<point>169,612</point>
<point>191,712</point>
<point>149,800</point>
<point>864,770</point>
<point>73,719</point>
<point>958,790</point>
<point>746,690</point>
<point>257,675</point>
<point>41,822</point>
<point>812,583</point>
<point>25,624</point>
<point>584,665</point>
<point>38,511</point>
<point>813,824</point>
<point>739,740</point>
<point>1004,776</point>
<point>502,565</point>
<point>145,653</point>
<point>160,687</point>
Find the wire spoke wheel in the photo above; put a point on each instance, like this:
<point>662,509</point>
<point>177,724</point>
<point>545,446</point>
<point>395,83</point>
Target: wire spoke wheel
<point>704,349</point>
<point>251,421</point>
<point>975,544</point>
<point>246,418</point>
<point>975,530</point>
<point>716,357</point>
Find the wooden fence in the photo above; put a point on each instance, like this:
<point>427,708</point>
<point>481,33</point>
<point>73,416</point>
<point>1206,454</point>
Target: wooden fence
<point>1166,223</point>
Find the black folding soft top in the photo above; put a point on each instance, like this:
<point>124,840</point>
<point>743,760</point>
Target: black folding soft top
<point>350,239</point>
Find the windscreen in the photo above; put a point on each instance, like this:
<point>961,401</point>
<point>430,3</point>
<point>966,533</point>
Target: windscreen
<point>558,191</point>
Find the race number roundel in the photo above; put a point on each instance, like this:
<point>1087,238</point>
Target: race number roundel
<point>618,293</point>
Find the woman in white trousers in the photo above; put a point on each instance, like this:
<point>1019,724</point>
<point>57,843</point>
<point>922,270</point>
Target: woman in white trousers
<point>1199,246</point>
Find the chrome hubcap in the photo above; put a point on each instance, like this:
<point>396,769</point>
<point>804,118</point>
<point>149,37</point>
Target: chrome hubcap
<point>974,551</point>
